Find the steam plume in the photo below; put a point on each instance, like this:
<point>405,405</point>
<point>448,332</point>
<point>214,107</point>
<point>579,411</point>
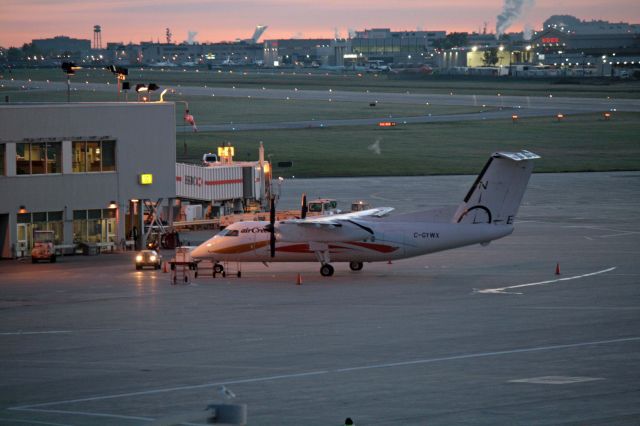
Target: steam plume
<point>511,10</point>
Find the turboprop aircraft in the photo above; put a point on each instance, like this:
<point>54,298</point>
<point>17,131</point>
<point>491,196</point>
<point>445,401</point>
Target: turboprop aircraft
<point>487,213</point>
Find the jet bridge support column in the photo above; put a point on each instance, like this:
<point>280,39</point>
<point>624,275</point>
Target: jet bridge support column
<point>142,239</point>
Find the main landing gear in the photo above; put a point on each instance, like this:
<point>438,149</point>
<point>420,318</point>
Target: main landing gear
<point>355,266</point>
<point>326,270</point>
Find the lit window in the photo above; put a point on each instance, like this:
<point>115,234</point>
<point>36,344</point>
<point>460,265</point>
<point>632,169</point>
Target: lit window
<point>94,156</point>
<point>38,158</point>
<point>94,226</point>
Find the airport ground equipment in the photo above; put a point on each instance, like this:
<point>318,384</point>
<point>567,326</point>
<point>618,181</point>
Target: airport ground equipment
<point>215,413</point>
<point>183,266</point>
<point>43,248</point>
<point>223,269</point>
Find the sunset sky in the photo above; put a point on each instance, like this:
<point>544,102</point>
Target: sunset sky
<point>220,20</point>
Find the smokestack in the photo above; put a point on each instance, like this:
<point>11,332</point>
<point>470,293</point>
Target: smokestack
<point>511,10</point>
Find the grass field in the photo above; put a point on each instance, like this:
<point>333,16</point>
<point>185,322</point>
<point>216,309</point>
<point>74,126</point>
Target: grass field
<point>579,143</point>
<point>223,110</point>
<point>353,82</point>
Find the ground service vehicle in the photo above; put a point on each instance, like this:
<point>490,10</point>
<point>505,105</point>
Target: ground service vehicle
<point>148,258</point>
<point>43,248</point>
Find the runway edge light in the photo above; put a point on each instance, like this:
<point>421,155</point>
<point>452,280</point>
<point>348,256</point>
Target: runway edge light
<point>146,179</point>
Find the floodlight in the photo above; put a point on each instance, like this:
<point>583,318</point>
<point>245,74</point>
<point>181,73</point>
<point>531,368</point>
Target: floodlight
<point>69,67</point>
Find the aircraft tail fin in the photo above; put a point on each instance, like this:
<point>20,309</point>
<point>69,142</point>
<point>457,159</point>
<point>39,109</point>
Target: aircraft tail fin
<point>498,190</point>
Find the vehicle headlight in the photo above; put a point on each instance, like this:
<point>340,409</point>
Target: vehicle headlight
<point>152,258</point>
<point>138,258</point>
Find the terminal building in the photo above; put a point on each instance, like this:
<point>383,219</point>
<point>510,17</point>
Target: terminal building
<point>83,171</point>
<point>397,47</point>
<point>103,176</point>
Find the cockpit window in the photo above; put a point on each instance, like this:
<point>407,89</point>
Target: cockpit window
<point>228,233</point>
<point>315,207</point>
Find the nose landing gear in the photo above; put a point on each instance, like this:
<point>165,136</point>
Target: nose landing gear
<point>326,270</point>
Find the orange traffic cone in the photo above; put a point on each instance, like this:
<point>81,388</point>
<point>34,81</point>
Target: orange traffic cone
<point>558,268</point>
<point>165,267</point>
<point>299,280</point>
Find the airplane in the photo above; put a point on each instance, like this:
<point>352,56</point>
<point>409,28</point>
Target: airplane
<point>487,213</point>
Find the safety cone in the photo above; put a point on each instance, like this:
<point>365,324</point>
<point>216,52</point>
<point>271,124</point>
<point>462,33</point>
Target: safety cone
<point>299,280</point>
<point>558,268</point>
<point>165,267</point>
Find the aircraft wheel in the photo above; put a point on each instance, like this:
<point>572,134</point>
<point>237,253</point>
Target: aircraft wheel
<point>355,266</point>
<point>239,274</point>
<point>218,268</point>
<point>326,270</point>
<point>195,275</point>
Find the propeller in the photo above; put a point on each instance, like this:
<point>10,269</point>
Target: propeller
<point>272,227</point>
<point>304,209</point>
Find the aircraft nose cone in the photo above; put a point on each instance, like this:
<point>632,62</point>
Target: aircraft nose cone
<point>198,252</point>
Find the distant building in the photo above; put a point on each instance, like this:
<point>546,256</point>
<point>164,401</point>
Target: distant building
<point>60,45</point>
<point>394,46</point>
<point>608,54</point>
<point>232,53</point>
<point>169,54</point>
<point>295,51</point>
<point>571,24</point>
<point>553,40</point>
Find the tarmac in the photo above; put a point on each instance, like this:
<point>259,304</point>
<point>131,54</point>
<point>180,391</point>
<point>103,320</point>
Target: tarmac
<point>472,336</point>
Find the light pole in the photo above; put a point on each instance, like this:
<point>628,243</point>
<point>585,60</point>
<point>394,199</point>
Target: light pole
<point>121,75</point>
<point>70,69</point>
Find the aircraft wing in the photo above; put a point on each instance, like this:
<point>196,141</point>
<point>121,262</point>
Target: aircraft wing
<point>338,219</point>
<point>327,229</point>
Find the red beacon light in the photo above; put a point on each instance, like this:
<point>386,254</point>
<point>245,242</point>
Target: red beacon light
<point>387,124</point>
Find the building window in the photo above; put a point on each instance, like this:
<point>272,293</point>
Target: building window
<point>94,226</point>
<point>99,156</point>
<point>108,156</point>
<point>38,158</point>
<point>54,157</point>
<point>41,221</point>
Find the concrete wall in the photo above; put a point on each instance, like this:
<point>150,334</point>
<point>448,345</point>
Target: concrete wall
<point>145,143</point>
